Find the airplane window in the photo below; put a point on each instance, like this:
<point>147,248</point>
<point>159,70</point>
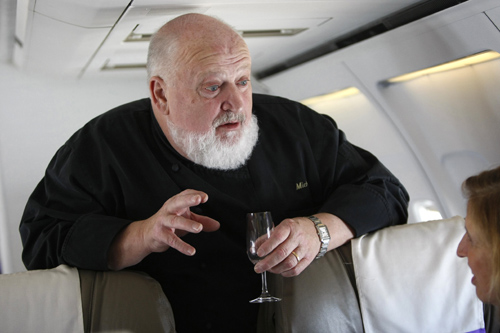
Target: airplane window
<point>426,210</point>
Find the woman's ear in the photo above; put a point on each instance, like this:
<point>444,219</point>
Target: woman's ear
<point>157,89</point>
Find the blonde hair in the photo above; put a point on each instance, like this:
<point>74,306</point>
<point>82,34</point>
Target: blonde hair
<point>483,194</point>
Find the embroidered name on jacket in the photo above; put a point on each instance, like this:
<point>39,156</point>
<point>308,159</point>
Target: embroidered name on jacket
<point>300,185</point>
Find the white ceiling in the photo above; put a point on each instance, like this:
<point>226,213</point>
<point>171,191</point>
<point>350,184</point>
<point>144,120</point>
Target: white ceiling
<point>81,37</point>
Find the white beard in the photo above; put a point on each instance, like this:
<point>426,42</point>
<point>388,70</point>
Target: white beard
<point>225,153</point>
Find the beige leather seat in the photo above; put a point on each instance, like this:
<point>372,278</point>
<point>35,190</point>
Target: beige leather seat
<point>410,279</point>
<point>65,299</point>
<point>124,301</point>
<point>400,279</point>
<point>405,278</point>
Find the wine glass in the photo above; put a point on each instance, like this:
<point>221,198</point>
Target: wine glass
<point>259,228</point>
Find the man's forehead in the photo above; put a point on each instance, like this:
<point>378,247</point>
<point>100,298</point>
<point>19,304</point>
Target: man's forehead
<point>215,64</point>
<point>212,50</point>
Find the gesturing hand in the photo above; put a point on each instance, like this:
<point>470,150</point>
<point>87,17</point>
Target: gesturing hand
<point>174,220</point>
<point>161,231</point>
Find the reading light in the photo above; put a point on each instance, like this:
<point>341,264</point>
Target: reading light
<point>331,96</point>
<point>459,63</point>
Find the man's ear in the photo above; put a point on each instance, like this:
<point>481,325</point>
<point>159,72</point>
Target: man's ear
<point>157,89</point>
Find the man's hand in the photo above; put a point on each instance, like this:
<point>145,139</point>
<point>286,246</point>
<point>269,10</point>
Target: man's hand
<point>298,235</point>
<point>161,231</point>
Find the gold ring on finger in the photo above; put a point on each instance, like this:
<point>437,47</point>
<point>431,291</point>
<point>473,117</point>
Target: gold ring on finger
<point>296,256</point>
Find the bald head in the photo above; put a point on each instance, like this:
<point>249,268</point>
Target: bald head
<point>182,36</point>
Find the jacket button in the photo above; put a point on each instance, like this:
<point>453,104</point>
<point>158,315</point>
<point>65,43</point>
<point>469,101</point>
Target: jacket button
<point>175,167</point>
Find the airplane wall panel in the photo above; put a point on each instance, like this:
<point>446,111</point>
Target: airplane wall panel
<point>420,121</point>
<point>39,113</point>
<point>360,117</point>
<point>452,115</point>
<point>5,246</point>
<point>366,127</point>
<point>323,75</point>
<point>451,34</point>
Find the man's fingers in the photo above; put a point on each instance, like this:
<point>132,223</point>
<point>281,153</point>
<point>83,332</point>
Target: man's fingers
<point>175,220</point>
<point>280,234</point>
<point>208,224</point>
<point>172,240</point>
<point>179,204</point>
<point>288,236</point>
<point>180,222</point>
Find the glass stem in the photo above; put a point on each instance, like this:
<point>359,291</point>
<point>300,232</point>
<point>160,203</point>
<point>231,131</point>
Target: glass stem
<point>264,283</point>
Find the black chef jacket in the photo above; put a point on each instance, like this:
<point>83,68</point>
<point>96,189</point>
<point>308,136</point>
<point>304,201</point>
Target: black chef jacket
<point>120,168</point>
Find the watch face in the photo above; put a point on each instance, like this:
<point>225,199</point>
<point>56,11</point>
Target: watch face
<point>324,232</point>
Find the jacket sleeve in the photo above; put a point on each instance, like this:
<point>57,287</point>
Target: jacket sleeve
<point>64,222</point>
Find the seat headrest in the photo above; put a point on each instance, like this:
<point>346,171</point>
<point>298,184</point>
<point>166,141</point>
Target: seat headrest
<point>410,279</point>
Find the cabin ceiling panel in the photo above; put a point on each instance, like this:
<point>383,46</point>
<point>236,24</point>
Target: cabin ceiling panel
<point>84,13</point>
<point>66,51</point>
<point>322,20</point>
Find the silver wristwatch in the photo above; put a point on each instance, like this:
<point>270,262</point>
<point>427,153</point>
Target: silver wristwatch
<point>323,234</point>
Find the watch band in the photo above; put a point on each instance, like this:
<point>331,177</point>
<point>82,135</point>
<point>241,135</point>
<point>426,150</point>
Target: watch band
<point>323,234</point>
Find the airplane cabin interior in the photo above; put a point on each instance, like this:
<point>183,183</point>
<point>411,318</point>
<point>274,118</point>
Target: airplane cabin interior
<point>415,82</point>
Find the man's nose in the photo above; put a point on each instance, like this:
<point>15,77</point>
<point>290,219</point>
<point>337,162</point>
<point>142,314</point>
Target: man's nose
<point>233,99</point>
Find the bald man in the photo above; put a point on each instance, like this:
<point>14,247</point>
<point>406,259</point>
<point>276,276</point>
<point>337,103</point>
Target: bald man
<point>163,184</point>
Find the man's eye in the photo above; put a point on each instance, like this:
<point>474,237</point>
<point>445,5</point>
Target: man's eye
<point>244,82</point>
<point>213,88</point>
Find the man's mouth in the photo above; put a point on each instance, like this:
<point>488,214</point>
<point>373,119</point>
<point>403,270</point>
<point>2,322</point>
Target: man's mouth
<point>229,121</point>
<point>230,126</point>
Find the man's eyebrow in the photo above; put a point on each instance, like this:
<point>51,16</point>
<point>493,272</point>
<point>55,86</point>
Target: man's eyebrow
<point>245,67</point>
<point>205,75</point>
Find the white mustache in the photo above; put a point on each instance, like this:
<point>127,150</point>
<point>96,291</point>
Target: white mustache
<point>229,117</point>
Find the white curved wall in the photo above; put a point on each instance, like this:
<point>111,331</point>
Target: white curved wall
<point>447,122</point>
<point>37,115</point>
